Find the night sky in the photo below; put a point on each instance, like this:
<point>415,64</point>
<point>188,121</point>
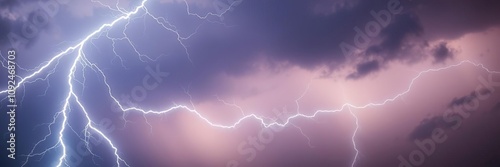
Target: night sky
<point>252,83</point>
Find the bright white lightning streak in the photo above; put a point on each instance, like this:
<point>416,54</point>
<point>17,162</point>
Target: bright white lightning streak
<point>353,138</point>
<point>72,97</point>
<point>71,94</point>
<point>298,115</point>
<point>80,57</point>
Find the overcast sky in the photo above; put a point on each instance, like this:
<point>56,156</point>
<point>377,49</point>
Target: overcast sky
<point>426,61</point>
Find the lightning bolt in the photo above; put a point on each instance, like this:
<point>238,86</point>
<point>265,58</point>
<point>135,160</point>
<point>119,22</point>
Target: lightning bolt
<point>353,138</point>
<point>81,62</point>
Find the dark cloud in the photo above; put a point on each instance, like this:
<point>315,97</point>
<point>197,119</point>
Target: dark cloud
<point>425,128</point>
<point>364,69</point>
<point>442,52</point>
<point>467,99</point>
<point>297,34</point>
<point>303,34</point>
<point>395,36</point>
<point>462,100</point>
<point>450,19</point>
